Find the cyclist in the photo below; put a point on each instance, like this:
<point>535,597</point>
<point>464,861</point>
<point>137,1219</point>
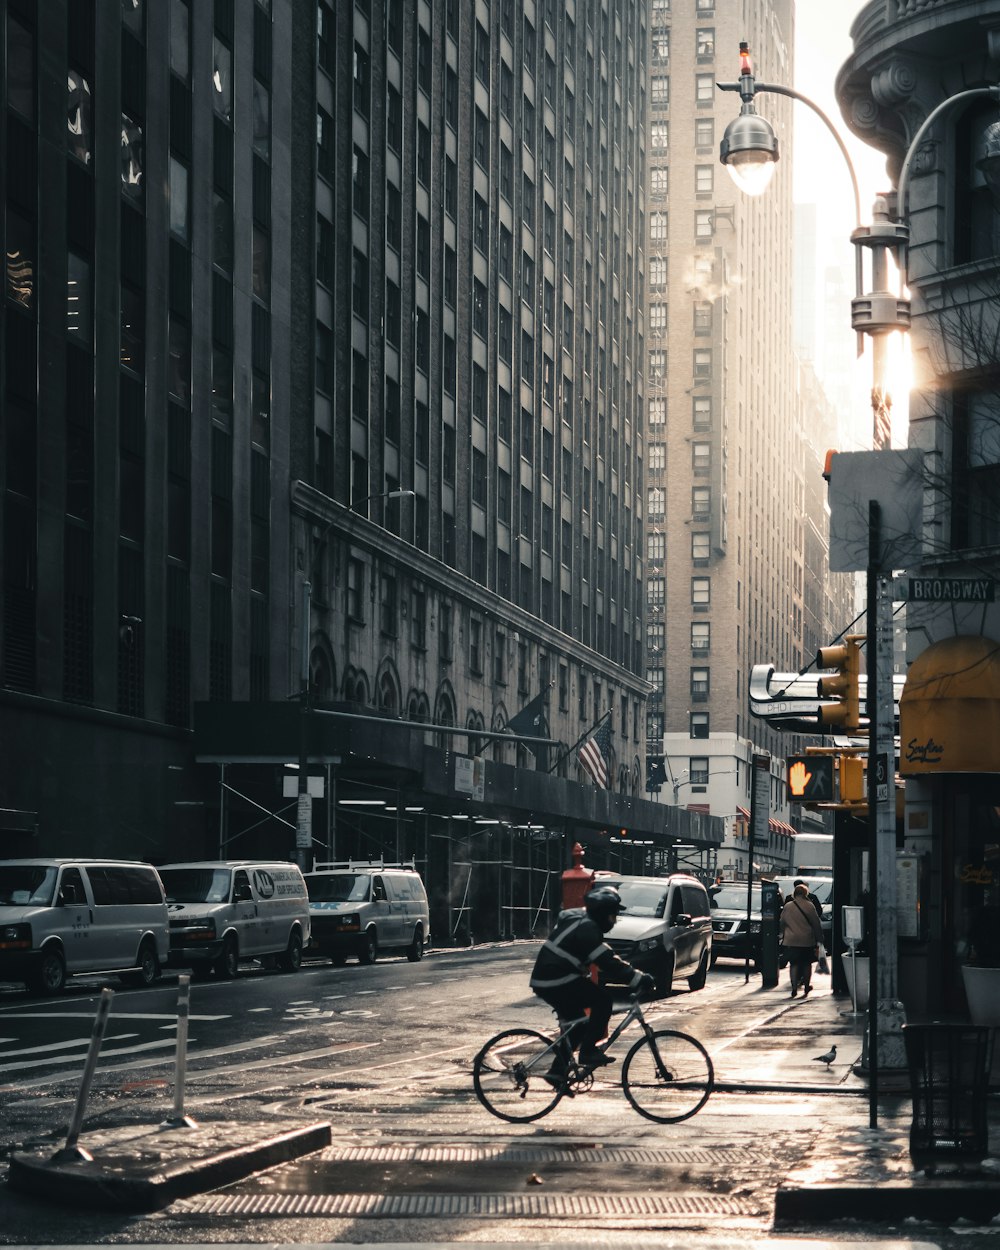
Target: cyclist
<point>561,975</point>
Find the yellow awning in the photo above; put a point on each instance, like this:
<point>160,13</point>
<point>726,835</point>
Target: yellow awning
<point>949,711</point>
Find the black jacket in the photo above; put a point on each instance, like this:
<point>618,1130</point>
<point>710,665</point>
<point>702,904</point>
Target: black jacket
<point>574,944</point>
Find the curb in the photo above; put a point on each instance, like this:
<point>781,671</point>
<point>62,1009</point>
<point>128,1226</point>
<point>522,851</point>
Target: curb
<point>138,1174</point>
<point>943,1202</point>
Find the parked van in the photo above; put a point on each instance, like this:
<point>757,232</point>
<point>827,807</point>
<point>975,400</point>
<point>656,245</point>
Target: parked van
<point>664,928</point>
<point>60,917</point>
<point>222,911</point>
<point>364,907</point>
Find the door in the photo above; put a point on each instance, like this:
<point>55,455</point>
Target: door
<point>73,921</point>
<point>244,913</point>
<point>681,935</point>
<point>386,922</point>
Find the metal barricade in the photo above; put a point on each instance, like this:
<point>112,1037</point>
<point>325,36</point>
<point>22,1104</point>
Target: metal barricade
<point>949,1067</point>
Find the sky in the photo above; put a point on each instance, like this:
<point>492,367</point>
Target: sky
<point>822,45</point>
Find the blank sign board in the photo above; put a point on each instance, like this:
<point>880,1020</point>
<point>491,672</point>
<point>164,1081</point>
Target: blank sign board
<point>894,480</point>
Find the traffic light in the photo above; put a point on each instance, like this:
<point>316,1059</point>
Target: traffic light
<point>845,657</point>
<point>853,787</point>
<point>810,779</point>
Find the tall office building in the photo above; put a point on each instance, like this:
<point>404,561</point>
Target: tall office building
<point>724,574</point>
<point>144,185</point>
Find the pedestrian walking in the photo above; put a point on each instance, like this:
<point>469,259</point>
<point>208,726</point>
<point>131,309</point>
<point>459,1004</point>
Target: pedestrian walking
<point>801,934</point>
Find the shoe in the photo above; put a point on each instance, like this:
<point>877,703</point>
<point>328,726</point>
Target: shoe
<point>595,1059</point>
<point>556,1079</point>
<point>793,993</point>
<point>807,991</point>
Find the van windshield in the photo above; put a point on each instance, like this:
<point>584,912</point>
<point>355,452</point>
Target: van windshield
<point>195,885</point>
<point>27,885</point>
<point>640,899</point>
<point>338,887</point>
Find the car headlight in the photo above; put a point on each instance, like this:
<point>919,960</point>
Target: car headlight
<point>15,937</point>
<point>754,926</point>
<point>347,922</point>
<point>648,944</point>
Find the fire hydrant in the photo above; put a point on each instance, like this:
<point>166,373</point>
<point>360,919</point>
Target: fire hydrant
<point>576,881</point>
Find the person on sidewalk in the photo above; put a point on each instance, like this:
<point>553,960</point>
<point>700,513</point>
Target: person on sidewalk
<point>821,964</point>
<point>561,975</point>
<point>801,934</point>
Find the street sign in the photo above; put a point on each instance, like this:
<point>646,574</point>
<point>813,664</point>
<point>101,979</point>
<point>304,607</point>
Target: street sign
<point>944,589</point>
<point>881,777</point>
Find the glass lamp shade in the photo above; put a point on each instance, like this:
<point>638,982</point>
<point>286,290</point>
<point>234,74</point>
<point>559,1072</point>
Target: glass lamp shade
<point>749,150</point>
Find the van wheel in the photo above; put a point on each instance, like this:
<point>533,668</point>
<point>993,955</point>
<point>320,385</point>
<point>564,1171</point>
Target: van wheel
<point>291,960</point>
<point>228,962</point>
<point>50,975</point>
<point>665,977</point>
<point>148,967</point>
<point>368,950</point>
<point>697,982</point>
<point>415,951</point>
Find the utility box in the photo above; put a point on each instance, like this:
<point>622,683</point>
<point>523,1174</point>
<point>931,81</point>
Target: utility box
<point>770,909</point>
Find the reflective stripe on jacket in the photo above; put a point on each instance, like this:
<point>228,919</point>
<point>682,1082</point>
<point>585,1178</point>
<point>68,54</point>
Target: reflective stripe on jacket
<point>574,944</point>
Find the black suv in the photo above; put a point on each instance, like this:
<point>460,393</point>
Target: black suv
<point>731,937</point>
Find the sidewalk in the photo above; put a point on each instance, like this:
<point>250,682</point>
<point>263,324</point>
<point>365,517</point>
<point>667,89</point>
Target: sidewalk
<point>869,1172</point>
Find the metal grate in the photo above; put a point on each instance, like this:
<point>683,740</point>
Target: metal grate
<point>500,1206</point>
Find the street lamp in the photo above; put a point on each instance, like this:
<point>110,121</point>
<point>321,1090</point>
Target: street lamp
<point>303,815</point>
<point>749,150</point>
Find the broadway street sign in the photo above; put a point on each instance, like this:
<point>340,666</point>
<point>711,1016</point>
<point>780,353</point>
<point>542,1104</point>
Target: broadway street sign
<point>944,589</point>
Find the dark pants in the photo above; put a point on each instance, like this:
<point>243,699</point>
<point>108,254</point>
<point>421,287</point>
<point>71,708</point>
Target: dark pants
<point>800,961</point>
<point>569,1001</point>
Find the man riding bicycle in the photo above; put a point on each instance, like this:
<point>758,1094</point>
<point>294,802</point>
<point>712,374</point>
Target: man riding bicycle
<point>561,975</point>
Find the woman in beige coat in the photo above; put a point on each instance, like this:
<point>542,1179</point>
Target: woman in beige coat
<point>801,934</point>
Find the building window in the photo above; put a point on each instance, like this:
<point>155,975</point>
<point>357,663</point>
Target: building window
<point>656,546</point>
<point>475,645</point>
<point>701,637</point>
<point>700,684</point>
<point>699,725</point>
<point>704,88</point>
<point>701,592</point>
<point>659,90</point>
<point>418,618</point>
<point>658,319</point>
<point>703,223</point>
<point>656,502</point>
<point>657,458</point>
<point>655,636</point>
<point>704,179</point>
<point>701,412</point>
<point>656,271</point>
<point>387,600</point>
<point>355,590</point>
<point>656,591</point>
<point>659,182</point>
<point>657,412</point>
<point>658,227</point>
<point>705,41</point>
<point>701,501</point>
<point>701,457</point>
<point>700,546</point>
<point>698,770</point>
<point>704,132</point>
<point>702,364</point>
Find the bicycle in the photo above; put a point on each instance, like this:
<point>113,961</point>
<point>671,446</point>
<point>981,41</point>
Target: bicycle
<point>667,1076</point>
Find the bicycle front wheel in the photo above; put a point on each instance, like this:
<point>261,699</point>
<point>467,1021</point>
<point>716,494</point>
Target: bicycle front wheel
<point>507,1076</point>
<point>667,1076</point>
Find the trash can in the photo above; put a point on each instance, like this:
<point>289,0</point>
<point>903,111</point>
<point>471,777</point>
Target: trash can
<point>949,1066</point>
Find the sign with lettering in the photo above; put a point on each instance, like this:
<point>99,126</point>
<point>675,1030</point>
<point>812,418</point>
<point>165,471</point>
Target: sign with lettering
<point>944,589</point>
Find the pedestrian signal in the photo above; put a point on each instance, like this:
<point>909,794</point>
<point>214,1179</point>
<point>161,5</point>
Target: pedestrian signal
<point>810,778</point>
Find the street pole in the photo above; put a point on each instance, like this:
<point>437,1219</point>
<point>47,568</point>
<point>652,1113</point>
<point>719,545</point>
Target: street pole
<point>760,808</point>
<point>303,815</point>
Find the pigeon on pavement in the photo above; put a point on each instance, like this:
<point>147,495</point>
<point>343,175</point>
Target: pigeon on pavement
<point>828,1058</point>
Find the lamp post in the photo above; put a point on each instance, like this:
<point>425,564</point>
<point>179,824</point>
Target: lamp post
<point>749,150</point>
<point>303,815</point>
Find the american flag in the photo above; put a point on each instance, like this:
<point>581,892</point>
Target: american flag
<point>593,755</point>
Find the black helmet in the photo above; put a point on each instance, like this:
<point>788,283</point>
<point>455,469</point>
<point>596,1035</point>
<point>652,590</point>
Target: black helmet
<point>603,904</point>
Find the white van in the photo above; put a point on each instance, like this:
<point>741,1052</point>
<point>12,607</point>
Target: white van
<point>362,907</point>
<point>60,917</point>
<point>222,911</point>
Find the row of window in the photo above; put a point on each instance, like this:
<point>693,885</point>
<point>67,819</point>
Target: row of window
<point>704,92</point>
<point>701,636</point>
<point>698,725</point>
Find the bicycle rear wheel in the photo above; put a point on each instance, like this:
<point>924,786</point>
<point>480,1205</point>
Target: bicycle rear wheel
<point>507,1076</point>
<point>667,1076</point>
